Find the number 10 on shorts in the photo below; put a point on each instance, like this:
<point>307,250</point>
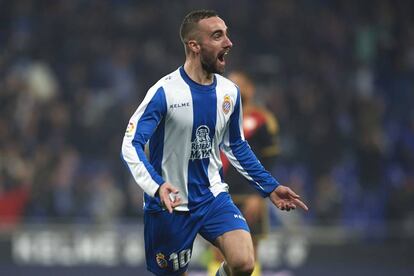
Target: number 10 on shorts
<point>181,259</point>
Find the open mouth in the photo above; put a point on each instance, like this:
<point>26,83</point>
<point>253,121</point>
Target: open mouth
<point>221,56</point>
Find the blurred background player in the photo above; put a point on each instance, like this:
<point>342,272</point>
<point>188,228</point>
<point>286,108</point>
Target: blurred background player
<point>261,130</point>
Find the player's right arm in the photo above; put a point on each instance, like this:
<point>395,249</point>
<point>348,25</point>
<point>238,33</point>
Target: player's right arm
<point>140,128</point>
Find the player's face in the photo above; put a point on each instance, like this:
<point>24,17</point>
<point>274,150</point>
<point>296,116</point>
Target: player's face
<point>214,44</point>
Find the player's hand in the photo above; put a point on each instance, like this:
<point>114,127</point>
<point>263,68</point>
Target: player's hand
<point>286,199</point>
<point>169,196</point>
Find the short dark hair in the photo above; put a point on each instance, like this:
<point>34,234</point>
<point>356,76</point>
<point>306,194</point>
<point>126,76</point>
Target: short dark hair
<point>190,22</point>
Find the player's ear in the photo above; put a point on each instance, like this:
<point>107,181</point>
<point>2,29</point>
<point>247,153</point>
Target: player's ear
<point>193,46</point>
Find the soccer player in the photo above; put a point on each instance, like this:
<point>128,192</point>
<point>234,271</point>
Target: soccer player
<point>186,117</point>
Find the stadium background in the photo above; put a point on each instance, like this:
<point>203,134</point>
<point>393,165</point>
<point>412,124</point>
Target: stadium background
<point>339,76</point>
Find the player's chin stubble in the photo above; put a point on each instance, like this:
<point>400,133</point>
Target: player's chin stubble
<point>209,64</point>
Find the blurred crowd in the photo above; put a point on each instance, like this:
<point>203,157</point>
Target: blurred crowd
<point>338,75</point>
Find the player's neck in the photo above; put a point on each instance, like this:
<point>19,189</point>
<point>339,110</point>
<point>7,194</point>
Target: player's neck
<point>197,74</point>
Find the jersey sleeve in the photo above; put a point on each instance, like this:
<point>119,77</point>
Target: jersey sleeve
<point>242,157</point>
<point>140,128</point>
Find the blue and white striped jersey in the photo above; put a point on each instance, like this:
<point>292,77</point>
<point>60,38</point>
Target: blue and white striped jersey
<point>186,125</point>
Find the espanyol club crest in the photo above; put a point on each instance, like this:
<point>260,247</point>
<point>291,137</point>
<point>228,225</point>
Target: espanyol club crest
<point>226,104</point>
<point>161,261</point>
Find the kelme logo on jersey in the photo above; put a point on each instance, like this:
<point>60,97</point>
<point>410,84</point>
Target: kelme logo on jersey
<point>226,104</point>
<point>201,146</point>
<point>238,216</point>
<point>161,261</point>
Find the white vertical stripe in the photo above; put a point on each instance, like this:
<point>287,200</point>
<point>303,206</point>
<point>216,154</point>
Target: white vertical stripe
<point>241,120</point>
<point>216,184</point>
<point>177,141</point>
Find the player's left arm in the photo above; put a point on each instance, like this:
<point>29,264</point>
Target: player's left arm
<point>240,155</point>
<point>245,161</point>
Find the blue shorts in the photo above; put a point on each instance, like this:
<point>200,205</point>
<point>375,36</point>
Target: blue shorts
<point>169,237</point>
